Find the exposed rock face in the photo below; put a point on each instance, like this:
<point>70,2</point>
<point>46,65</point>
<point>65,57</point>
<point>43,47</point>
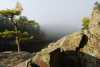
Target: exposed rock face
<point>69,50</point>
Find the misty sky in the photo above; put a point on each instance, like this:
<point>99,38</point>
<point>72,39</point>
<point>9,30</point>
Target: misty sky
<point>56,17</point>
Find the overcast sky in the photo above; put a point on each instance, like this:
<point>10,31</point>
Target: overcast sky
<point>56,17</point>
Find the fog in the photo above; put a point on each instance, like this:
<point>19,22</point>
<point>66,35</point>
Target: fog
<point>56,17</point>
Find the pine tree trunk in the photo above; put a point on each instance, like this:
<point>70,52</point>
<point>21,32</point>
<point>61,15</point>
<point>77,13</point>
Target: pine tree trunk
<point>15,28</point>
<point>18,45</point>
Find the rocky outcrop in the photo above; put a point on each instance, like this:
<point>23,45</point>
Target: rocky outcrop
<point>76,50</point>
<point>14,59</point>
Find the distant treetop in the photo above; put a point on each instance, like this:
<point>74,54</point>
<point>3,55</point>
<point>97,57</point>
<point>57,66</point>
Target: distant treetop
<point>18,7</point>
